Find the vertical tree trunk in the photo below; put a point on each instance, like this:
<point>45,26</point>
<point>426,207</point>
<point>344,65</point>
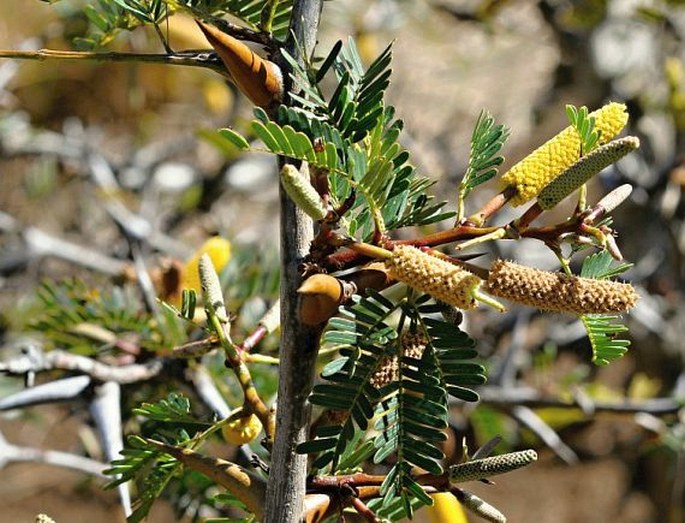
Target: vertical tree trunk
<point>299,343</point>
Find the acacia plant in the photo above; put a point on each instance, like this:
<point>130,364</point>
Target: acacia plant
<point>382,315</point>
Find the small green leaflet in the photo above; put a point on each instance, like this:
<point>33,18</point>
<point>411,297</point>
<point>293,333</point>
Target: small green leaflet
<point>235,138</point>
<point>603,329</point>
<point>486,141</point>
<point>585,125</point>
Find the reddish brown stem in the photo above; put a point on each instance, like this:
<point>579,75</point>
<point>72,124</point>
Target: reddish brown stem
<point>364,511</point>
<point>550,233</point>
<point>346,259</point>
<point>253,339</point>
<point>491,207</point>
<point>322,483</point>
<point>526,219</point>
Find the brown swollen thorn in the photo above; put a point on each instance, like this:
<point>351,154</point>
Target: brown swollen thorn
<point>320,297</point>
<point>257,78</point>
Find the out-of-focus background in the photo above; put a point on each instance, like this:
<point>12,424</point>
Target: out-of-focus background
<point>150,128</point>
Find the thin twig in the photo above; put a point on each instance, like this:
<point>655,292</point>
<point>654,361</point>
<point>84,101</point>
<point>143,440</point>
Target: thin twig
<point>65,389</point>
<point>243,33</point>
<point>205,59</point>
<point>510,397</point>
<point>106,411</point>
<point>41,244</point>
<point>547,434</point>
<point>207,390</point>
<point>364,511</point>
<point>63,360</point>
<point>491,207</point>
<point>12,453</point>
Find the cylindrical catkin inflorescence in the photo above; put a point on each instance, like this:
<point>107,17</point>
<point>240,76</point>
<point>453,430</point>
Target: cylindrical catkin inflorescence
<point>584,169</point>
<point>478,469</point>
<point>539,168</point>
<point>301,191</point>
<point>388,371</point>
<point>480,507</point>
<point>553,291</point>
<point>439,278</point>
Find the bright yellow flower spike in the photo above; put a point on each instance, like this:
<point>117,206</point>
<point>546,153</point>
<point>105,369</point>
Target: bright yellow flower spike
<point>219,251</point>
<point>548,161</point>
<point>445,509</point>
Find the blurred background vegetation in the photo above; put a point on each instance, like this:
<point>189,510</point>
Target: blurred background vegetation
<point>154,128</point>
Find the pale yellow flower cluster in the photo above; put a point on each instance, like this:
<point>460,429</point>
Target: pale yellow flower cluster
<point>553,291</point>
<point>438,278</point>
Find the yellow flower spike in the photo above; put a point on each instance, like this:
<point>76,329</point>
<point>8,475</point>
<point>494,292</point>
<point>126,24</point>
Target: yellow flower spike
<point>554,291</point>
<point>548,161</point>
<point>445,509</point>
<point>219,251</point>
<point>439,278</point>
<point>240,429</point>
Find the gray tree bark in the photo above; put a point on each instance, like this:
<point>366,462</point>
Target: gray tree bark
<point>299,343</point>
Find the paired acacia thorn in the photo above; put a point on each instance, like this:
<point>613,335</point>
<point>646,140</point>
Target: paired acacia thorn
<point>257,78</point>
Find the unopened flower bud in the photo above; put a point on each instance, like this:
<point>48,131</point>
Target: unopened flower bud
<point>615,197</point>
<point>478,469</point>
<point>584,169</point>
<point>212,295</point>
<point>301,191</point>
<point>480,507</point>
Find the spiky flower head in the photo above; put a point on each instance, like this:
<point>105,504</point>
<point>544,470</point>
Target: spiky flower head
<point>539,168</point>
<point>553,291</point>
<point>584,169</point>
<point>438,278</point>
